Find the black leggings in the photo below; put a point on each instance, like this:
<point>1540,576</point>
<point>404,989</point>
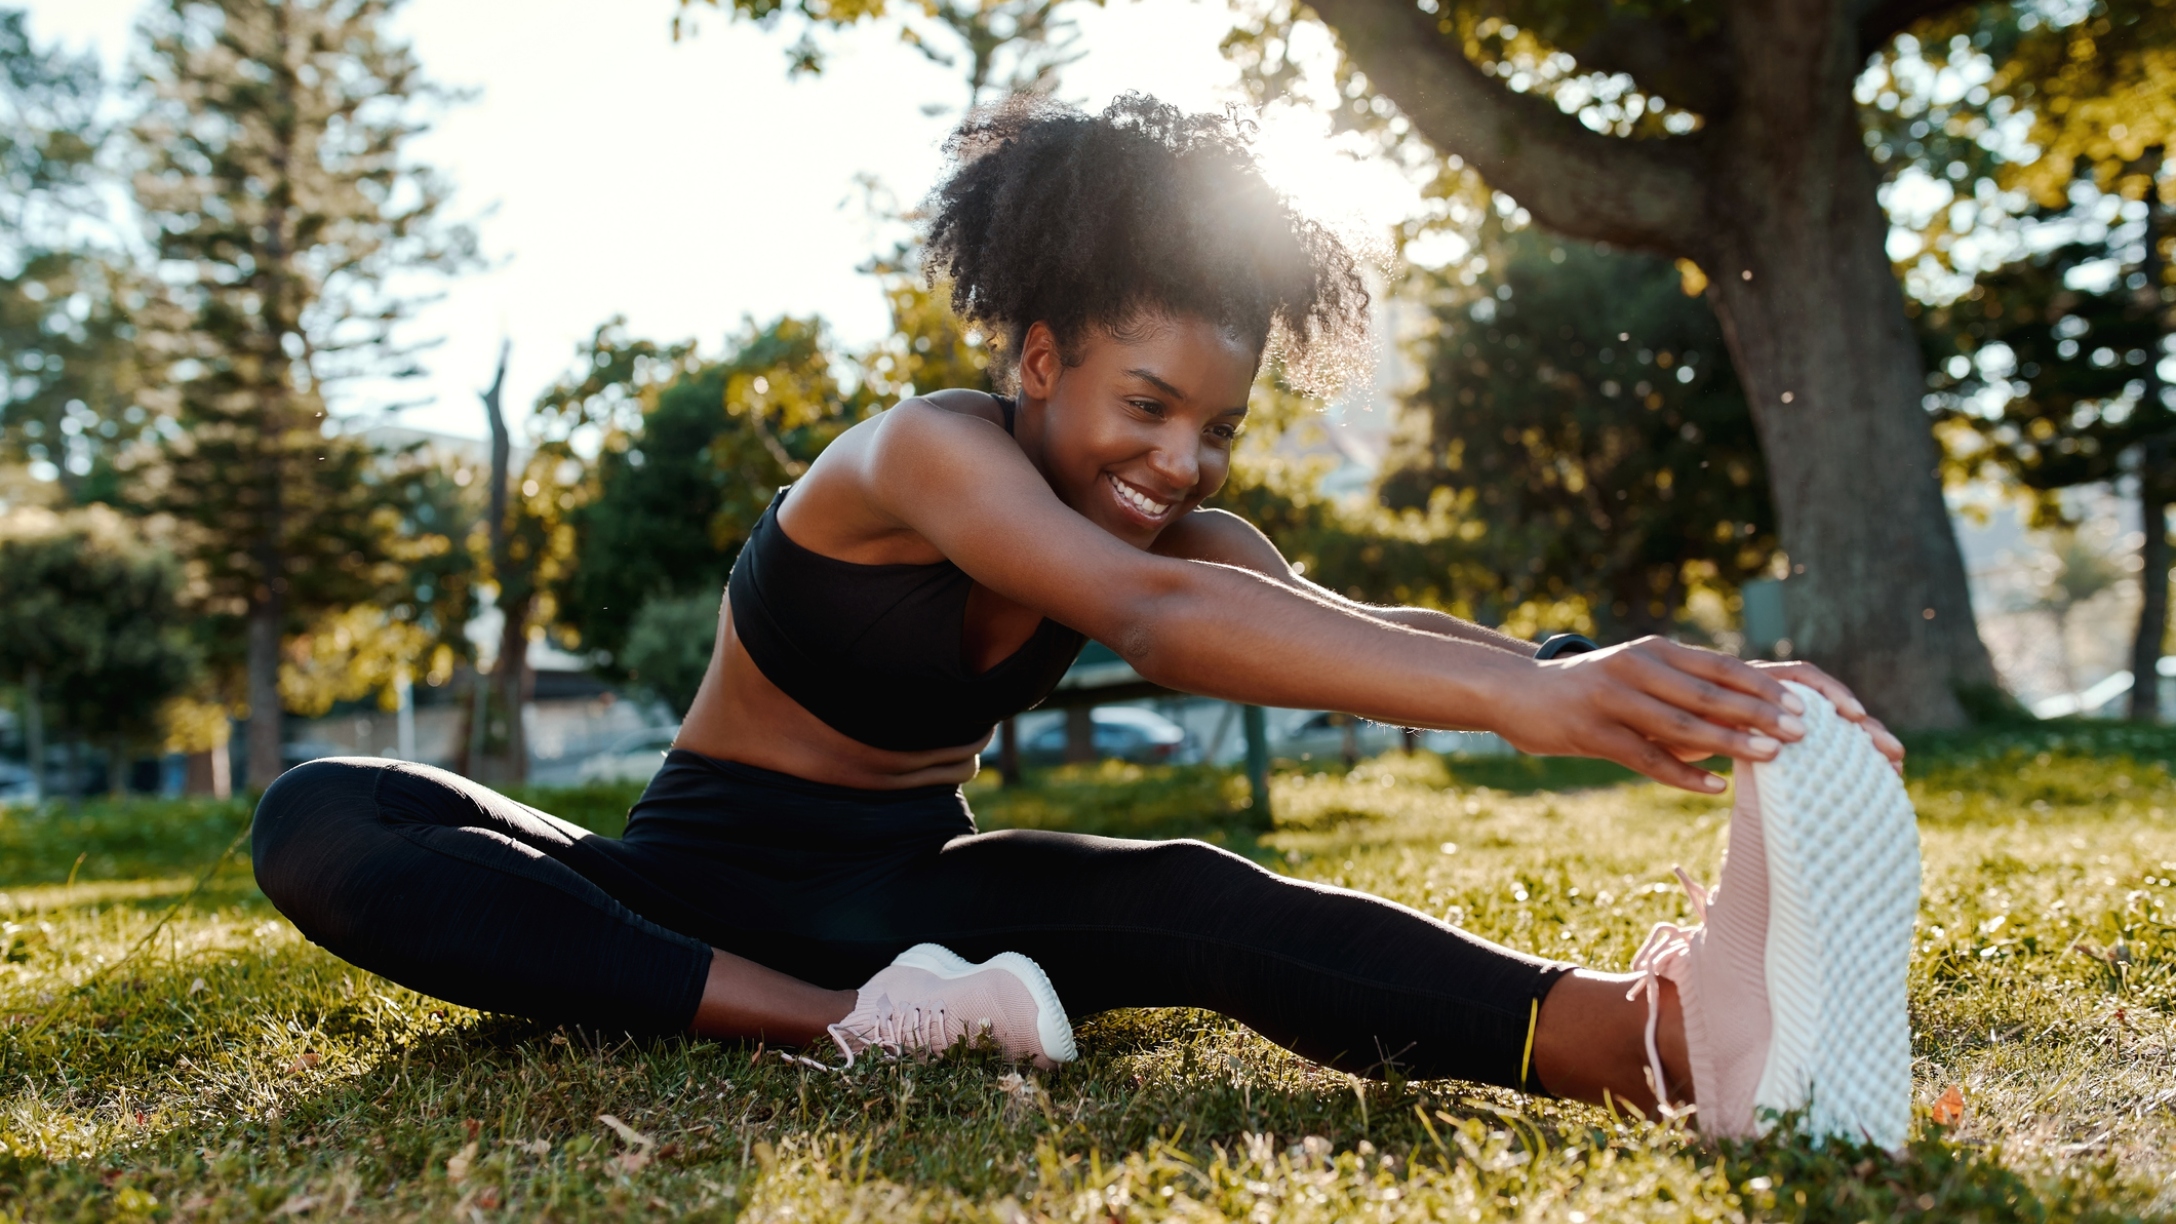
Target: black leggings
<point>458,892</point>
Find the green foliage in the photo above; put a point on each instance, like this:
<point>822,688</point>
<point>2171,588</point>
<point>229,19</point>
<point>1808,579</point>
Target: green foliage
<point>234,1068</point>
<point>276,171</point>
<point>2064,362</point>
<point>90,624</point>
<point>668,647</point>
<point>1000,46</point>
<point>1585,425</point>
<point>693,451</point>
<point>73,384</point>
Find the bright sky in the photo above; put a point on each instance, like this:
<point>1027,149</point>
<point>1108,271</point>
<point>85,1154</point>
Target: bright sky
<point>689,185</point>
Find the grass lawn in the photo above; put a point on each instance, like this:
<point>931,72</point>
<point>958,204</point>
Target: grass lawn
<point>219,1067</point>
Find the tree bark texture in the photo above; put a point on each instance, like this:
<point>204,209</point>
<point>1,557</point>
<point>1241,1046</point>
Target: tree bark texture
<point>511,683</point>
<point>1775,199</point>
<point>2153,555</point>
<point>510,675</point>
<point>2156,485</point>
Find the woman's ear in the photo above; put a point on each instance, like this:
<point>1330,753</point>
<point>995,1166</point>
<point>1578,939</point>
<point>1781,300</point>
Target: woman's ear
<point>1040,362</point>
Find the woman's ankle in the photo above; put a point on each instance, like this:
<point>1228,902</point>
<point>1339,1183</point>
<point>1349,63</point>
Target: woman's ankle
<point>1590,1042</point>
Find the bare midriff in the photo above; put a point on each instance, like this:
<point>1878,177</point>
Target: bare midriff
<point>739,715</point>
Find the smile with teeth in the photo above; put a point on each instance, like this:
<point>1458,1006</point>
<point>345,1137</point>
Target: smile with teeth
<point>1138,500</point>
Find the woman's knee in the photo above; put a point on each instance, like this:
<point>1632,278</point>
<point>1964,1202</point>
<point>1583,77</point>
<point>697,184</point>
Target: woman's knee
<point>307,824</point>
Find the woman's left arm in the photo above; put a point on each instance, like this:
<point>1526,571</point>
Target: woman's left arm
<point>1222,538</point>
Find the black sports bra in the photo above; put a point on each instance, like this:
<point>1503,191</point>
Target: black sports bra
<point>875,650</point>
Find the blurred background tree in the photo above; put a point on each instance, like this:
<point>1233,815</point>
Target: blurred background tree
<point>91,629</point>
<point>275,169</point>
<point>2046,375</point>
<point>1579,409</point>
<point>668,647</point>
<point>76,388</point>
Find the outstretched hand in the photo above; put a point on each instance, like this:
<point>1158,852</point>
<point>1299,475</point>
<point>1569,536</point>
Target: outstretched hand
<point>1656,706</point>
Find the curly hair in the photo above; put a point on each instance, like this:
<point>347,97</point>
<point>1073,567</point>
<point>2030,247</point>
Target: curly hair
<point>1051,215</point>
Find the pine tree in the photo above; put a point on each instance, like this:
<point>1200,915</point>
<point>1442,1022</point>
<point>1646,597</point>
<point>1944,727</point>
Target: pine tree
<point>75,387</point>
<point>274,171</point>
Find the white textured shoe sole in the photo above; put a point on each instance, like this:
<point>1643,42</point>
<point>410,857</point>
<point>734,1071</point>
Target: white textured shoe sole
<point>1050,1022</point>
<point>1843,886</point>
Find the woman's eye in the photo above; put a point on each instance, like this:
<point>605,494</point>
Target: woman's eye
<point>1150,407</point>
<point>1226,432</point>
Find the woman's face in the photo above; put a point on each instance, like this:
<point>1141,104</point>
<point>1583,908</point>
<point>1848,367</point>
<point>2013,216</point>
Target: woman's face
<point>1139,431</point>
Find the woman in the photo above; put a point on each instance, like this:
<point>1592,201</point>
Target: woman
<point>936,571</point>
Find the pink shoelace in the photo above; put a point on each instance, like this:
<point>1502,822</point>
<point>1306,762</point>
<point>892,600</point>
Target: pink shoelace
<point>1665,955</point>
<point>894,1030</point>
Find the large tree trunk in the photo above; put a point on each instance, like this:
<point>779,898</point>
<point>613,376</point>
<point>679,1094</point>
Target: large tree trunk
<point>1775,200</point>
<point>1815,318</point>
<point>265,763</point>
<point>511,683</point>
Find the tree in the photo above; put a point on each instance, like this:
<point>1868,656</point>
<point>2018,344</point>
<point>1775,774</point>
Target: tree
<point>75,387</point>
<point>1582,415</point>
<point>2046,373</point>
<point>275,172</point>
<point>668,647</point>
<point>692,453</point>
<point>2098,86</point>
<point>1756,170</point>
<point>1729,136</point>
<point>91,629</point>
<point>999,46</point>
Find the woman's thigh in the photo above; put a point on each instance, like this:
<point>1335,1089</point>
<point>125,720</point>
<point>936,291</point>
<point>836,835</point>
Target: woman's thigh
<point>454,890</point>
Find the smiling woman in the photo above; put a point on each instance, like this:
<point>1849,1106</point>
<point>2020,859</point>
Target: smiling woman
<point>935,571</point>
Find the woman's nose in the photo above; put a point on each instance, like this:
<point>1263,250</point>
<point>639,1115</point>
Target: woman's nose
<point>1179,466</point>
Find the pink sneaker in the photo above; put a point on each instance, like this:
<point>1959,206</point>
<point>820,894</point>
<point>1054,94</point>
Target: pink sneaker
<point>1793,984</point>
<point>929,1000</point>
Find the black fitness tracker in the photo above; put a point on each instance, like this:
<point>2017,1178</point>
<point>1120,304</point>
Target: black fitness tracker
<point>1564,644</point>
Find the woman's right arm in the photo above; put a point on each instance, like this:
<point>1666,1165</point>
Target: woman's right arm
<point>1227,632</point>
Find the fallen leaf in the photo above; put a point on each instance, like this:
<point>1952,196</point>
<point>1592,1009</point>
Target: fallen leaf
<point>488,1198</point>
<point>196,985</point>
<point>307,1060</point>
<point>298,1204</point>
<point>1949,1110</point>
<point>538,1147</point>
<point>633,1162</point>
<point>458,1164</point>
<point>627,1134</point>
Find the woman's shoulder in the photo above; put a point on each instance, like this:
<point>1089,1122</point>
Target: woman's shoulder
<point>995,409</point>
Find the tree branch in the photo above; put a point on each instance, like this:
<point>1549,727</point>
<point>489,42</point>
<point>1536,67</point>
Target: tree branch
<point>1690,72</point>
<point>1882,20</point>
<point>1634,193</point>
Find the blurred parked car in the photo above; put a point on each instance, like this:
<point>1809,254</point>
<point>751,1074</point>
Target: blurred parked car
<point>14,783</point>
<point>635,757</point>
<point>295,752</point>
<point>1329,737</point>
<point>1127,733</point>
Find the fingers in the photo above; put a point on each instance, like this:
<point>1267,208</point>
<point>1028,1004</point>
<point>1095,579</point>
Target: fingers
<point>1722,669</point>
<point>1652,759</point>
<point>1684,679</point>
<point>1885,740</point>
<point>1685,734</point>
<point>1821,682</point>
